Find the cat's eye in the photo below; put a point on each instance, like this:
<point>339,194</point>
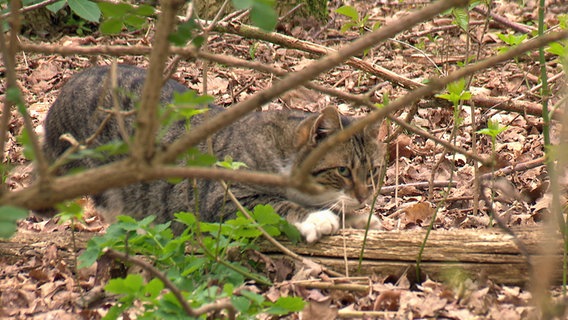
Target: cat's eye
<point>344,171</point>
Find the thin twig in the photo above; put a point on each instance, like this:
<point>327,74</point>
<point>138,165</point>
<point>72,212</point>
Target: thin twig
<point>147,119</point>
<point>514,168</point>
<point>504,21</point>
<point>9,54</point>
<point>502,103</point>
<point>122,173</point>
<point>116,105</point>
<point>6,113</point>
<point>29,8</point>
<point>298,78</point>
<point>275,242</point>
<point>435,85</point>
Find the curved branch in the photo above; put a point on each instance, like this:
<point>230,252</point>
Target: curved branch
<point>147,119</point>
<point>435,85</point>
<point>301,77</point>
<point>122,173</point>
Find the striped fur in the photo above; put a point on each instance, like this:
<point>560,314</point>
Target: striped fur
<point>275,142</point>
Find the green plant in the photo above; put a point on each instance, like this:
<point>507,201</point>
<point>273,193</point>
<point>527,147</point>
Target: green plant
<point>461,18</point>
<point>85,9</point>
<point>493,130</point>
<point>262,13</point>
<point>203,274</point>
<point>456,93</point>
<point>511,40</point>
<point>8,217</point>
<point>81,26</point>
<point>560,48</point>
<point>360,23</point>
<point>69,211</point>
<point>123,15</point>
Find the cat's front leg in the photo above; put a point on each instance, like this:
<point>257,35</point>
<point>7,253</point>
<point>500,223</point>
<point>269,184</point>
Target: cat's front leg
<point>318,224</point>
<point>359,221</point>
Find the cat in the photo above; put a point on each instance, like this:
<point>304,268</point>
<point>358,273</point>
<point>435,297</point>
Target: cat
<point>269,141</point>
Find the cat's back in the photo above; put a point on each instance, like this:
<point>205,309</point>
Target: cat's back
<point>76,110</point>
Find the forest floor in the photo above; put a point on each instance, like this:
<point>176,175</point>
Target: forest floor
<point>44,288</point>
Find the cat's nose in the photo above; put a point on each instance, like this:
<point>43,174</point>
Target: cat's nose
<point>361,194</point>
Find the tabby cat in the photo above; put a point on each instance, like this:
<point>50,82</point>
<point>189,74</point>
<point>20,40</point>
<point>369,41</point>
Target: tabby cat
<point>272,141</point>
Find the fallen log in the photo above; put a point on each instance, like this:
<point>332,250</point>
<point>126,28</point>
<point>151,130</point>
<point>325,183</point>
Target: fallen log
<point>478,253</point>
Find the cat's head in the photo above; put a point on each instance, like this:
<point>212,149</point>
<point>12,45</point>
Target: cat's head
<point>350,171</point>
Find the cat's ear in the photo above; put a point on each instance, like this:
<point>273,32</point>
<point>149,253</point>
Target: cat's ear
<point>373,131</point>
<point>318,127</point>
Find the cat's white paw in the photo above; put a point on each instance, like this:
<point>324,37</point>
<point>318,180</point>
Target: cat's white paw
<point>318,224</point>
<point>359,221</point>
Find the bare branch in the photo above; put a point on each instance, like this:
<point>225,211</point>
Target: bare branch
<point>501,103</point>
<point>29,8</point>
<point>301,77</point>
<point>147,119</point>
<point>434,86</point>
<point>9,54</point>
<point>122,173</point>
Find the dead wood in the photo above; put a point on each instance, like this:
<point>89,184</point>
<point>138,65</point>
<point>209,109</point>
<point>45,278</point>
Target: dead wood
<point>483,254</point>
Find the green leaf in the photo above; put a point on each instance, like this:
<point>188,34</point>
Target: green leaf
<point>194,157</point>
<point>265,214</point>
<point>291,232</point>
<point>135,21</point>
<point>190,98</point>
<point>186,218</point>
<point>56,6</point>
<point>113,148</point>
<point>230,164</point>
<point>153,289</point>
<point>196,264</point>
<point>183,33</point>
<point>255,297</point>
<point>115,10</point>
<point>85,9</point>
<point>24,140</point>
<point>461,17</point>
<point>198,41</point>
<point>456,86</point>
<point>242,304</point>
<point>14,95</point>
<point>272,230</point>
<point>69,210</point>
<point>93,251</point>
<point>111,26</point>
<point>263,16</point>
<point>557,49</point>
<point>349,12</point>
<point>347,26</point>
<point>144,10</point>
<point>8,217</point>
<point>285,305</point>
<point>243,4</point>
<point>131,285</point>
